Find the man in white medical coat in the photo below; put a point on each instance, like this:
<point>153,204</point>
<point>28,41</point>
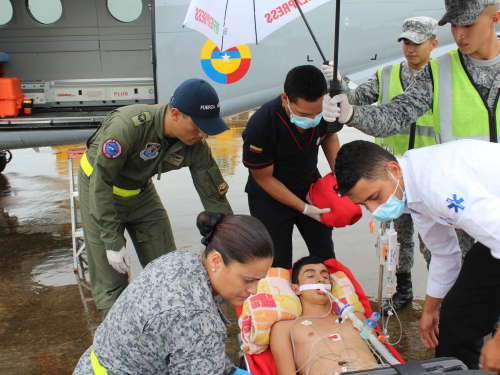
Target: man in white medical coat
<point>454,185</point>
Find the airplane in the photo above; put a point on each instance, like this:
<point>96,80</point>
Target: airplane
<point>77,60</point>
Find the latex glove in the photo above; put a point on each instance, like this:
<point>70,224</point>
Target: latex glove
<point>327,71</point>
<point>119,260</point>
<point>490,355</point>
<point>337,107</point>
<point>429,328</point>
<point>308,200</point>
<point>315,212</point>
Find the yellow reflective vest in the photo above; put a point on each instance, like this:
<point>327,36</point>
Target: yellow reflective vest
<point>389,78</point>
<point>459,111</point>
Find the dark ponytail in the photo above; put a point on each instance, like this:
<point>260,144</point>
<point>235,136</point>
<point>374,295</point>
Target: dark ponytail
<point>238,238</point>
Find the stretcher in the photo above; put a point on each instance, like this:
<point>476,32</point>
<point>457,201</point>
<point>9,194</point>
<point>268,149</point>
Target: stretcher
<point>263,363</point>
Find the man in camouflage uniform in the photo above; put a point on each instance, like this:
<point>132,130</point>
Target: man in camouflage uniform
<point>419,40</point>
<point>167,322</point>
<point>461,87</point>
<point>115,181</point>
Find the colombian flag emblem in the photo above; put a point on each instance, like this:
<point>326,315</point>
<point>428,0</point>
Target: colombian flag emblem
<point>227,67</point>
<point>257,150</point>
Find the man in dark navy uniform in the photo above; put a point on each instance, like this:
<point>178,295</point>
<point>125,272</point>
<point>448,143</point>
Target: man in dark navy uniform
<point>280,148</point>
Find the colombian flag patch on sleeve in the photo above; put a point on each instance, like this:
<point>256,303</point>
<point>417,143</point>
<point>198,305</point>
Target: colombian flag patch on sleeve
<point>257,150</point>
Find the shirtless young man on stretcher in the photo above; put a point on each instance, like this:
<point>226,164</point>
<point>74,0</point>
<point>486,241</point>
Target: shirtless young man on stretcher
<point>315,351</point>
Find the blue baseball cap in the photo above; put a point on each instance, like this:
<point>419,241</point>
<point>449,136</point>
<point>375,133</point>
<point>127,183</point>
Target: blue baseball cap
<point>197,99</point>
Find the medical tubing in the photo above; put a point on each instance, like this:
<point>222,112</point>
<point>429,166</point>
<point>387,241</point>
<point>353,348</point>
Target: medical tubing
<point>383,350</point>
<point>367,329</point>
<point>399,321</point>
<point>348,311</point>
<point>328,294</point>
<point>375,317</point>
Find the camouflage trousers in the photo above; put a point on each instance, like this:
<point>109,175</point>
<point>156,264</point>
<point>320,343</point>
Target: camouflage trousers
<point>404,226</point>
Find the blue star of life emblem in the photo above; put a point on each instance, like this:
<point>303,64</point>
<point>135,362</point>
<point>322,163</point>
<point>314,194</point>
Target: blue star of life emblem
<point>455,203</point>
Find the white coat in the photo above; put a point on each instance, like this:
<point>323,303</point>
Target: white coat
<point>453,185</point>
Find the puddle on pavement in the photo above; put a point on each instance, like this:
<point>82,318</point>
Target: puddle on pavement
<point>56,269</point>
<point>47,317</point>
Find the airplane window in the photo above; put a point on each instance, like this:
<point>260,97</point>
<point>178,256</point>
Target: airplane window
<point>125,10</point>
<point>45,11</point>
<point>6,12</point>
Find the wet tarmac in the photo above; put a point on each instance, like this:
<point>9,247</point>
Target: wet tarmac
<point>47,316</point>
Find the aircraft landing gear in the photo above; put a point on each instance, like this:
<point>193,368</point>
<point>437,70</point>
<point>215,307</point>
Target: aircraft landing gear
<point>5,158</point>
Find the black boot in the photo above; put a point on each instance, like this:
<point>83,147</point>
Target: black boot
<point>403,296</point>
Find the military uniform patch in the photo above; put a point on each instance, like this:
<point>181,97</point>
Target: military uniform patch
<point>224,187</point>
<point>175,159</point>
<point>257,150</point>
<point>151,151</point>
<point>141,118</point>
<point>111,148</point>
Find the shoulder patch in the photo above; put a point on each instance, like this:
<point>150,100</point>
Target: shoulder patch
<point>257,150</point>
<point>151,151</point>
<point>223,188</point>
<point>174,159</point>
<point>111,148</point>
<point>141,118</point>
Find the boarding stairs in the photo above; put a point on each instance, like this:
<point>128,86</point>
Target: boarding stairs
<point>80,264</point>
<point>76,230</point>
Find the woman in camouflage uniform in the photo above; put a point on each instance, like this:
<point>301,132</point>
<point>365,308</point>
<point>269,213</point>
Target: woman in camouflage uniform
<point>168,320</point>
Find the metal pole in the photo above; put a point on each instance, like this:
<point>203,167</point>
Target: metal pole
<point>334,127</point>
<point>325,61</point>
<point>380,287</point>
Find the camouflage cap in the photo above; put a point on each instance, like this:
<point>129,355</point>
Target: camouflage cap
<point>418,29</point>
<point>464,12</point>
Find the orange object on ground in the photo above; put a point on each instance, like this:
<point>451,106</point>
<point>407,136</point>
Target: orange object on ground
<point>11,96</point>
<point>343,211</point>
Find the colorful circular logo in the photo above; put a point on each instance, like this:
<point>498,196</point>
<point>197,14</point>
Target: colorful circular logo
<point>111,148</point>
<point>227,67</point>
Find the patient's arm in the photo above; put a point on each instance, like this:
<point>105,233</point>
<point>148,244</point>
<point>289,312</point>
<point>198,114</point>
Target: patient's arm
<point>281,347</point>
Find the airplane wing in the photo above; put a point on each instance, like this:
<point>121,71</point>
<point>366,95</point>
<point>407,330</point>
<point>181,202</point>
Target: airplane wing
<point>89,61</point>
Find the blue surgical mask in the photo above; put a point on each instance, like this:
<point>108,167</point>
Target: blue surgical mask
<point>304,122</point>
<point>393,207</point>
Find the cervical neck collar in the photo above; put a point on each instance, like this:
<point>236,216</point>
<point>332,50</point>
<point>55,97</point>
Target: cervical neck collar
<point>324,287</point>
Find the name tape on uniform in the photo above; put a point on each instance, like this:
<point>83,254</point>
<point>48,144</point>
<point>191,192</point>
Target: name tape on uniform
<point>174,159</point>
